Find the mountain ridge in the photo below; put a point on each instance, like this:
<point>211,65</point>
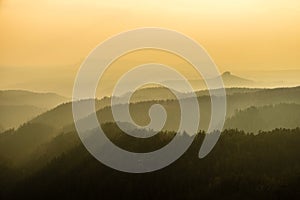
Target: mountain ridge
<point>20,106</point>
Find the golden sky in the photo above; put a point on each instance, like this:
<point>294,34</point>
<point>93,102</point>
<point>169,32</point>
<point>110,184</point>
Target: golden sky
<point>238,34</point>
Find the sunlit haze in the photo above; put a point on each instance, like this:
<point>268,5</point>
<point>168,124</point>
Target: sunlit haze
<point>42,43</point>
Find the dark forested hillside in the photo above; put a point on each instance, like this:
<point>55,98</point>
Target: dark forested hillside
<point>241,166</point>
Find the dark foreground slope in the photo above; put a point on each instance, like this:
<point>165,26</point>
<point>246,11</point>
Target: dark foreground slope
<point>263,166</point>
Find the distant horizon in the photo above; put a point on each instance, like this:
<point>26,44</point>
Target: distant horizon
<point>45,91</point>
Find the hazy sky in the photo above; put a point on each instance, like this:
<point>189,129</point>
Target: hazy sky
<point>56,35</point>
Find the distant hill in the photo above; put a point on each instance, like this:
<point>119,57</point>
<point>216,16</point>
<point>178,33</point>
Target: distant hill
<point>162,93</point>
<point>18,106</point>
<point>13,115</point>
<point>22,97</point>
<point>151,93</point>
<point>229,80</point>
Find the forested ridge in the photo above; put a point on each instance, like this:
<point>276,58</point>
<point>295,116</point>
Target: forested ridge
<point>241,166</point>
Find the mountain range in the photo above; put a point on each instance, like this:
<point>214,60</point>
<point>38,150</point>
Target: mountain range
<point>250,110</point>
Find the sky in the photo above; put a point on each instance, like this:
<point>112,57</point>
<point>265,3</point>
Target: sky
<point>45,41</point>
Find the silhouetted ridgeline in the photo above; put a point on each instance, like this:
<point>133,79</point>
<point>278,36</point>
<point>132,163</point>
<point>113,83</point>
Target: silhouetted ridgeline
<point>238,99</point>
<point>60,117</point>
<point>18,106</point>
<point>241,166</point>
